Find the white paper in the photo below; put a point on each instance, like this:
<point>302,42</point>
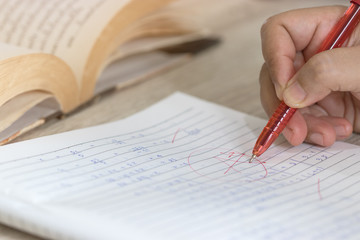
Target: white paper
<point>179,170</point>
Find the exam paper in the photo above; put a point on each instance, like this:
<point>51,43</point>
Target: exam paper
<point>179,170</point>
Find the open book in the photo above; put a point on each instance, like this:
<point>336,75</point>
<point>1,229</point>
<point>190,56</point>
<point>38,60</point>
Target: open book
<point>56,55</point>
<point>181,174</point>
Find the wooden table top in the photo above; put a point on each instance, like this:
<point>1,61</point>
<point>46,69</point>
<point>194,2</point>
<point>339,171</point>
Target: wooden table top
<point>226,74</point>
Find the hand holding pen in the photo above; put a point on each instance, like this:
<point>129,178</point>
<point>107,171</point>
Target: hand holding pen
<point>323,85</point>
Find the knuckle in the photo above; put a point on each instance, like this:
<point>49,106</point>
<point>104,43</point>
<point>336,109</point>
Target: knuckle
<point>263,73</point>
<point>265,26</point>
<point>319,68</point>
<point>356,121</point>
<point>268,24</point>
<point>273,21</point>
<point>272,61</point>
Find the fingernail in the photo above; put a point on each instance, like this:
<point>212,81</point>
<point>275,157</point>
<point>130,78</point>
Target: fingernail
<point>341,131</point>
<point>316,138</point>
<point>277,88</point>
<point>287,133</point>
<point>294,94</point>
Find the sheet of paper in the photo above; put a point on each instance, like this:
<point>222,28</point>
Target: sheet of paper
<point>179,170</point>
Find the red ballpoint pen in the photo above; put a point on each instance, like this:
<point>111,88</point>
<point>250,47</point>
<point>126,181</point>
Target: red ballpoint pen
<point>282,115</point>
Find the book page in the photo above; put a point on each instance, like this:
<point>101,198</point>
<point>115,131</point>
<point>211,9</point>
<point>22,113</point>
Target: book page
<point>57,27</point>
<point>8,51</point>
<point>179,170</point>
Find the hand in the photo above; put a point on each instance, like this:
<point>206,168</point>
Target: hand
<point>325,86</point>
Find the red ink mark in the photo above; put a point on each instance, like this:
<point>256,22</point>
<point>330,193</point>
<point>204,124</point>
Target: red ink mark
<point>320,196</point>
<point>216,163</point>
<point>228,159</point>
<point>266,171</point>
<point>177,131</point>
<point>232,154</point>
<point>234,163</point>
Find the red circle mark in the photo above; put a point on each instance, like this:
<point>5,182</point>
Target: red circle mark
<point>266,171</point>
<point>177,131</point>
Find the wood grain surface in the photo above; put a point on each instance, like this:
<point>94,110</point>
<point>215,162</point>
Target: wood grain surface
<point>226,74</point>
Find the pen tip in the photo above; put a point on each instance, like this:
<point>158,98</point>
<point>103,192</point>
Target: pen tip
<point>252,158</point>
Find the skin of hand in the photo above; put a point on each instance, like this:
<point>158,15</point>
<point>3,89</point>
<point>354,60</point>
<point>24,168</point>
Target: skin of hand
<point>325,87</point>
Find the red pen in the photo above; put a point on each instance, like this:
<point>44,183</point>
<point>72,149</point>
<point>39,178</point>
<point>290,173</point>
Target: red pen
<point>282,115</point>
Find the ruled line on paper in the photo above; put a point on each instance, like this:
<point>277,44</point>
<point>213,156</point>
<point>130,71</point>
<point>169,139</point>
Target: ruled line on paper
<point>290,200</point>
<point>205,159</point>
<point>292,212</point>
<point>96,140</point>
<point>114,199</point>
<point>145,154</point>
<point>93,147</point>
<point>139,164</point>
<point>297,212</point>
<point>71,155</point>
<point>319,190</point>
<point>169,172</point>
<point>175,134</point>
<point>214,185</point>
<point>125,145</point>
<point>298,216</point>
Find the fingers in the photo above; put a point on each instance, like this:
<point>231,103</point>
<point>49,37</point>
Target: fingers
<point>296,129</point>
<point>269,100</point>
<point>294,34</point>
<point>326,72</point>
<point>324,131</point>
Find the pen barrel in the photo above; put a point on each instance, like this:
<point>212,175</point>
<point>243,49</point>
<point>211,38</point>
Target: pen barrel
<point>273,128</point>
<point>343,29</point>
<point>280,118</point>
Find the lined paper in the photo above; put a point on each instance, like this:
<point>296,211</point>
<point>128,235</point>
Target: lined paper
<point>179,170</point>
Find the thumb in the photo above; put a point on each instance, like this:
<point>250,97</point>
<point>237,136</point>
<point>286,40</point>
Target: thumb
<point>333,70</point>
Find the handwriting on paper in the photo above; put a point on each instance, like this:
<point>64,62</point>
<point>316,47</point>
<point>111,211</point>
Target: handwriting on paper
<point>225,165</point>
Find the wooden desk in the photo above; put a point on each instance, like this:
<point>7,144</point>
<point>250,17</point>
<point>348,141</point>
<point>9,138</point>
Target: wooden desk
<point>226,74</point>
